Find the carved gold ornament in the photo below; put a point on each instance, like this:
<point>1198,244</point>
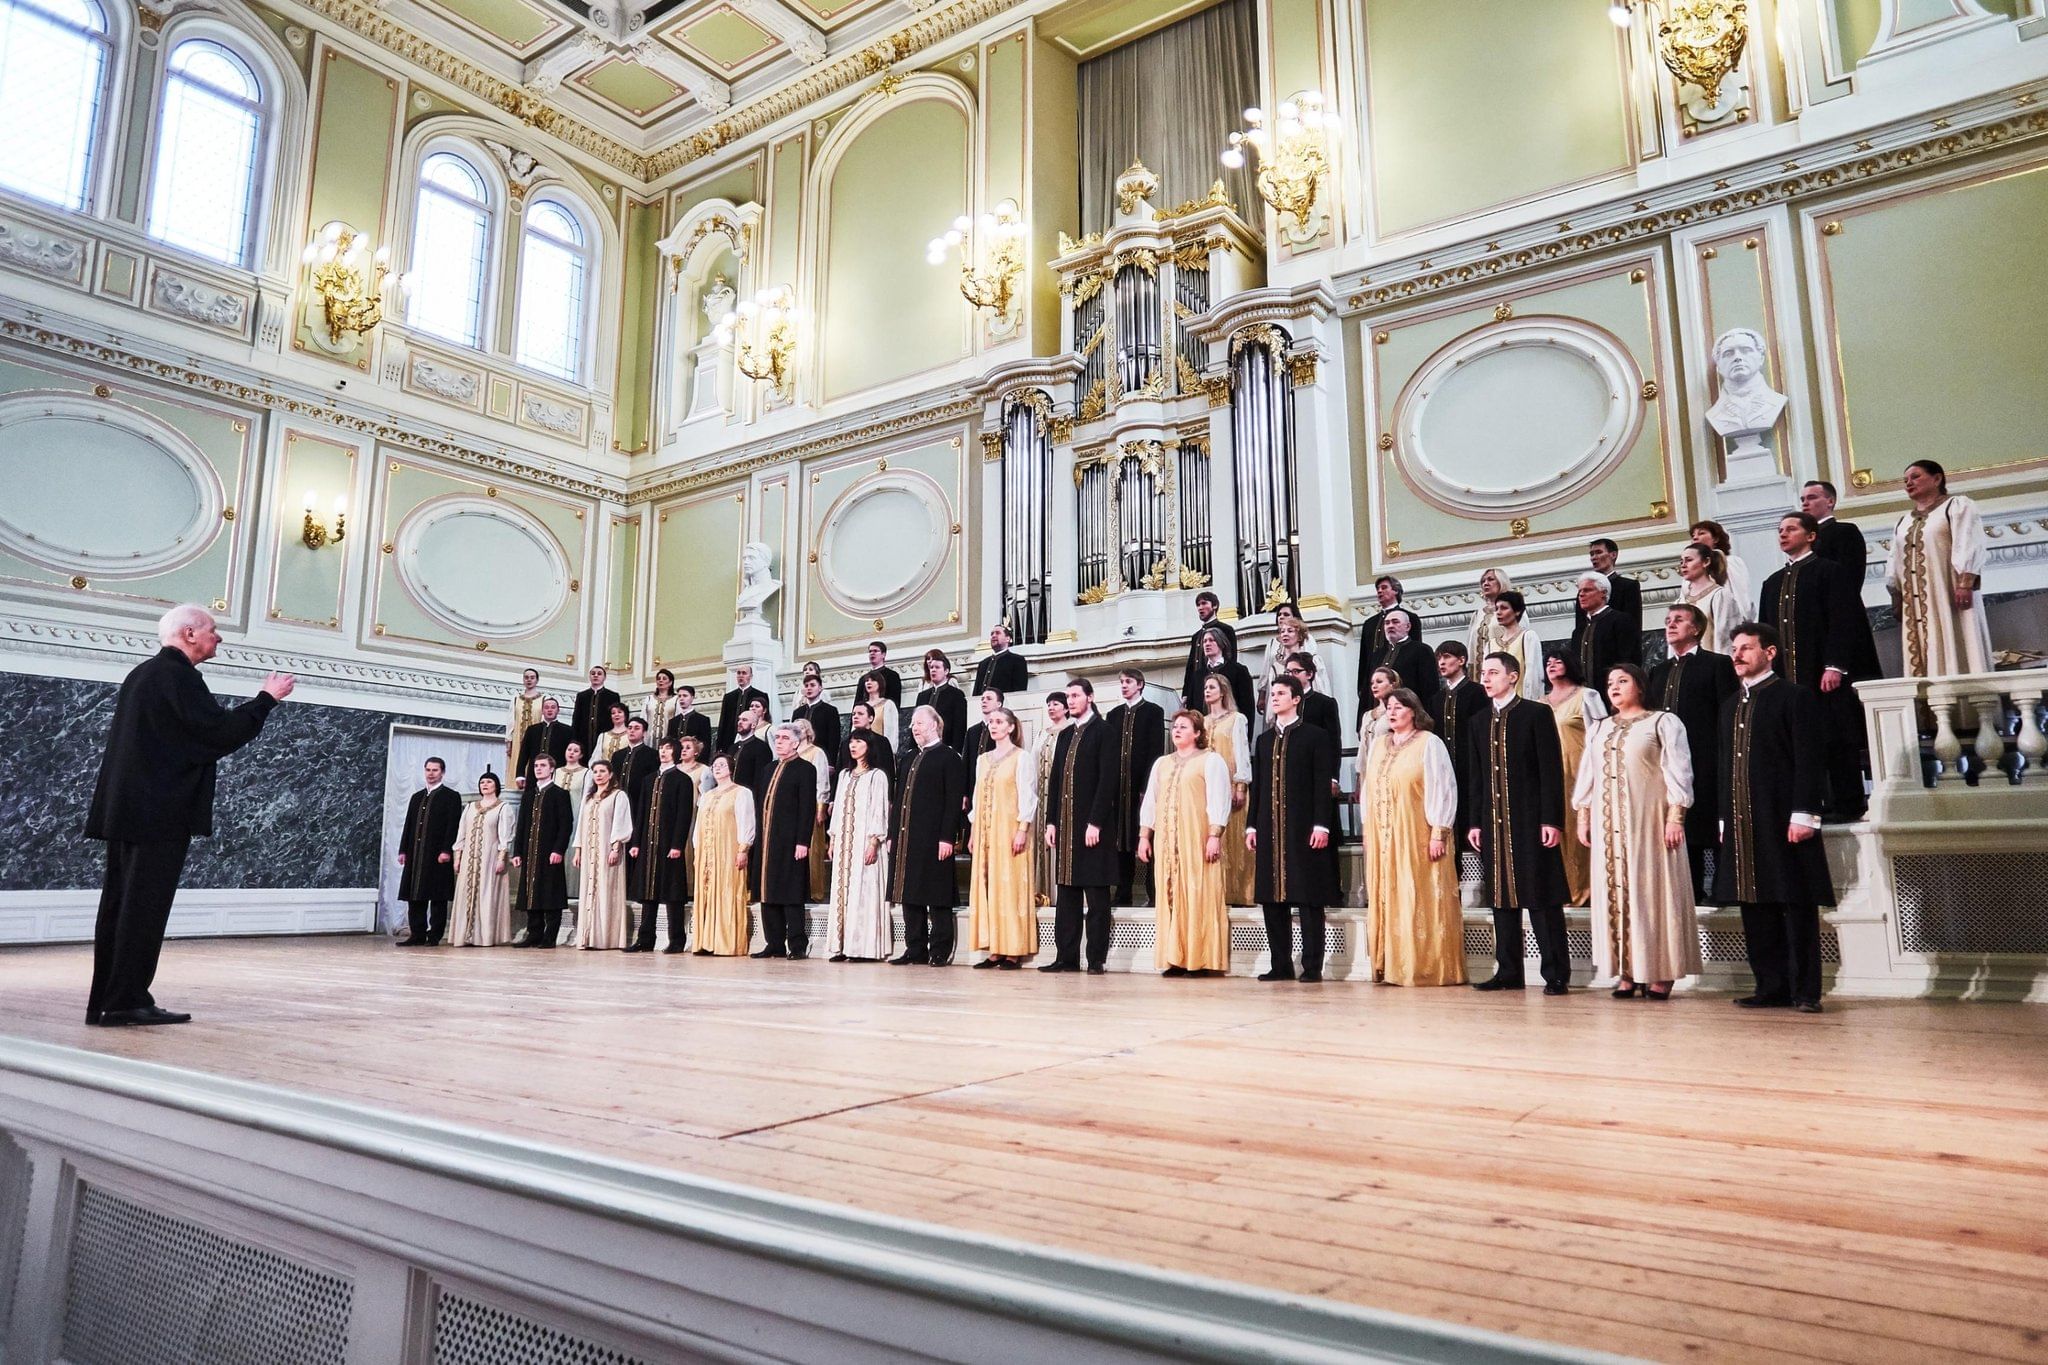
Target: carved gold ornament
<point>1135,186</point>
<point>1519,527</point>
<point>348,279</point>
<point>1702,41</point>
<point>1292,156</point>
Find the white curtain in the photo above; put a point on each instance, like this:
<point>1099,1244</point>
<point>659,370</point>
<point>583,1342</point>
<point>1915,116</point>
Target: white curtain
<point>1171,100</point>
<point>468,756</point>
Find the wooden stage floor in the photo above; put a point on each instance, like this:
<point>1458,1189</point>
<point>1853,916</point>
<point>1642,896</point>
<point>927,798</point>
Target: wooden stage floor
<point>1684,1181</point>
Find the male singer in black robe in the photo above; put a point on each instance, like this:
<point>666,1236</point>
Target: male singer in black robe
<point>788,814</point>
<point>1819,619</point>
<point>1218,662</point>
<point>1290,826</point>
<point>426,852</point>
<point>1511,809</point>
<point>1458,705</point>
<point>540,852</point>
<point>752,758</point>
<point>635,762</point>
<point>743,695</point>
<point>1206,607</point>
<point>662,813</point>
<point>943,695</point>
<point>1317,708</point>
<point>822,714</point>
<point>593,713</point>
<point>1372,637</point>
<point>1624,598</point>
<point>1080,829</point>
<point>549,735</point>
<point>1006,671</point>
<point>1693,684</point>
<point>878,667</point>
<point>153,795</point>
<point>688,720</point>
<point>1604,637</point>
<point>1409,655</point>
<point>1772,862</point>
<point>1137,730</point>
<point>1842,543</point>
<point>923,830</point>
<point>972,748</point>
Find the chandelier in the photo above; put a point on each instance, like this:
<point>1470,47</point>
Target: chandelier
<point>993,287</point>
<point>1293,155</point>
<point>762,333</point>
<point>348,279</point>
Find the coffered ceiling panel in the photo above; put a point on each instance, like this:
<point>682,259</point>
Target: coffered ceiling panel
<point>831,14</point>
<point>631,88</point>
<point>723,39</point>
<point>514,26</point>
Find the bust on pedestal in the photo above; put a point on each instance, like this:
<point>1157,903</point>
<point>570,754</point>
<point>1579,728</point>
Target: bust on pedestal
<point>1747,407</point>
<point>753,640</point>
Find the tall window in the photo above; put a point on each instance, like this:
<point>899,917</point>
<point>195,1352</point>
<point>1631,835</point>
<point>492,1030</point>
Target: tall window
<point>554,264</point>
<point>210,136</point>
<point>53,67</point>
<point>450,263</point>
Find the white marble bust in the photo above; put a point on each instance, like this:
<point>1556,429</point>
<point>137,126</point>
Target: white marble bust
<point>1747,405</point>
<point>757,584</point>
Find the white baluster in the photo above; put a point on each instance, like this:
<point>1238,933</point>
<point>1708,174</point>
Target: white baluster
<point>1990,744</point>
<point>2033,742</point>
<point>1948,750</point>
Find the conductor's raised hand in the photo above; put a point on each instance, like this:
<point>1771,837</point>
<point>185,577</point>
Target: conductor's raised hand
<point>279,685</point>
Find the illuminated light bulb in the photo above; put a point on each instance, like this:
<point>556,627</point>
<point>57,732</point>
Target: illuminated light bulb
<point>1621,15</point>
<point>1234,159</point>
<point>1007,208</point>
<point>340,506</point>
<point>311,501</point>
<point>1254,116</point>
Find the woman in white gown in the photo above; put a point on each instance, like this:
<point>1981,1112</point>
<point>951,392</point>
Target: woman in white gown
<point>859,926</point>
<point>1290,637</point>
<point>1741,583</point>
<point>660,707</point>
<point>481,914</point>
<point>1516,638</point>
<point>1483,632</point>
<point>1705,586</point>
<point>1935,575</point>
<point>603,829</point>
<point>882,709</point>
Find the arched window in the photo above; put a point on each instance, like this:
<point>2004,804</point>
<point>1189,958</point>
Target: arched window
<point>53,70</point>
<point>554,270</point>
<point>209,145</point>
<point>451,260</point>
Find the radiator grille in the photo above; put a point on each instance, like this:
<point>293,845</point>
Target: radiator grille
<point>1251,938</point>
<point>144,1286</point>
<point>467,1332</point>
<point>13,1223</point>
<point>1994,903</point>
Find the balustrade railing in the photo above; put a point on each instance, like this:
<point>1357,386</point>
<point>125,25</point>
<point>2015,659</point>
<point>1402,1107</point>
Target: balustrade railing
<point>1918,728</point>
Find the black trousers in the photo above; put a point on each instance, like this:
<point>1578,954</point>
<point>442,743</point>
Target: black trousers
<point>1280,937</point>
<point>786,927</point>
<point>1130,873</point>
<point>650,911</point>
<point>1847,753</point>
<point>544,926</point>
<point>928,932</point>
<point>1068,921</point>
<point>1783,942</point>
<point>135,905</point>
<point>1552,948</point>
<point>429,920</point>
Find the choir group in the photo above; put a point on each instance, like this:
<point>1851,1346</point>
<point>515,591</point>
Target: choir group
<point>1574,776</point>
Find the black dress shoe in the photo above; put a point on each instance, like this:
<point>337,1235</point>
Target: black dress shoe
<point>1175,971</point>
<point>1307,978</point>
<point>988,964</point>
<point>1552,988</point>
<point>92,1017</point>
<point>1009,964</point>
<point>1059,967</point>
<point>940,962</point>
<point>672,948</point>
<point>799,955</point>
<point>837,957</point>
<point>1760,1002</point>
<point>906,960</point>
<point>148,1014</point>
<point>1096,971</point>
<point>1807,1006</point>
<point>1494,983</point>
<point>1276,975</point>
<point>635,948</point>
<point>769,952</point>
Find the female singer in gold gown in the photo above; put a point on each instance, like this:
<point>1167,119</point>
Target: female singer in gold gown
<point>1181,833</point>
<point>603,828</point>
<point>1002,905</point>
<point>1227,733</point>
<point>721,842</point>
<point>1041,760</point>
<point>1408,802</point>
<point>481,915</point>
<point>1575,706</point>
<point>819,858</point>
<point>1632,795</point>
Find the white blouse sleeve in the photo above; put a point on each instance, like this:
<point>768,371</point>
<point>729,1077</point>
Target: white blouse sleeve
<point>622,820</point>
<point>1676,759</point>
<point>1894,561</point>
<point>1216,785</point>
<point>508,828</point>
<point>1594,707</point>
<point>1587,789</point>
<point>1241,746</point>
<point>576,836</point>
<point>1533,681</point>
<point>824,767</point>
<point>743,817</point>
<point>1966,536</point>
<point>1026,772</point>
<point>1150,804</point>
<point>874,811</point>
<point>1439,784</point>
<point>1740,583</point>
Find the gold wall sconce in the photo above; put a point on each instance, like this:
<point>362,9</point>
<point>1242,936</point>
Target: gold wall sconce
<point>1701,41</point>
<point>1292,154</point>
<point>763,334</point>
<point>315,532</point>
<point>993,287</point>
<point>349,280</point>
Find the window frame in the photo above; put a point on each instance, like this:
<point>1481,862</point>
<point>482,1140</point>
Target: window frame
<point>104,144</point>
<point>590,250</point>
<point>497,196</point>
<point>268,102</point>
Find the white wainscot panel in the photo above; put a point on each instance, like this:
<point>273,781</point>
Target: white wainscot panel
<point>67,916</point>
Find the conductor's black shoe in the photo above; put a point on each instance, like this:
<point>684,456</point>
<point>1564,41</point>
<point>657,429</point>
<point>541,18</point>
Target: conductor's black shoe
<point>1094,970</point>
<point>148,1014</point>
<point>798,954</point>
<point>1059,967</point>
<point>1311,978</point>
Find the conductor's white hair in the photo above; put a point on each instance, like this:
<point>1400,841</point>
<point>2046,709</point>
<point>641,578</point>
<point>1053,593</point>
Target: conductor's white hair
<point>1598,580</point>
<point>179,619</point>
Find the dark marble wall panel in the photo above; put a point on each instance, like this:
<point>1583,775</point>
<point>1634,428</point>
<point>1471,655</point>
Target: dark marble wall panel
<point>299,807</point>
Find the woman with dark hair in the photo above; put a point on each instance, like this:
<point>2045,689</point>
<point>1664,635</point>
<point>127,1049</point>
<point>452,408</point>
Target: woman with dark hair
<point>881,749</point>
<point>1408,803</point>
<point>611,741</point>
<point>1632,794</point>
<point>660,707</point>
<point>875,696</point>
<point>859,927</point>
<point>1714,536</point>
<point>480,916</point>
<point>603,829</point>
<point>1227,731</point>
<point>1180,832</point>
<point>1514,637</point>
<point>1574,706</point>
<point>1041,766</point>
<point>1935,575</point>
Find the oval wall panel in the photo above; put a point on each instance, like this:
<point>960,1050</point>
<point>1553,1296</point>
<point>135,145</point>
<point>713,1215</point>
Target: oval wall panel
<point>883,543</point>
<point>481,567</point>
<point>102,489</point>
<point>1518,417</point>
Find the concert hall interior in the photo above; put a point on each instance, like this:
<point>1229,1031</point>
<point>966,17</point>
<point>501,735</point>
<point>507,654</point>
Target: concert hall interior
<point>1475,570</point>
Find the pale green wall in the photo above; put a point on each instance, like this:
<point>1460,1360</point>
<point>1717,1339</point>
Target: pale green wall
<point>825,624</point>
<point>785,210</point>
<point>355,112</point>
<point>645,289</point>
<point>1941,325</point>
<point>696,578</point>
<point>887,313</point>
<point>1055,203</point>
<point>1483,102</point>
<point>307,590</point>
<point>624,598</point>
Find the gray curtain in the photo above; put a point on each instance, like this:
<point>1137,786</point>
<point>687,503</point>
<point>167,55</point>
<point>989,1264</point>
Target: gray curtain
<point>1170,100</point>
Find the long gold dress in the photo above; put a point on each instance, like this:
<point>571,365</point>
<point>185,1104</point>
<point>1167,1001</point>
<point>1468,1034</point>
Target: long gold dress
<point>699,775</point>
<point>1001,903</point>
<point>525,712</point>
<point>1637,776</point>
<point>819,856</point>
<point>1228,740</point>
<point>1187,797</point>
<point>1572,714</point>
<point>1408,792</point>
<point>481,914</point>
<point>605,825</point>
<point>1042,870</point>
<point>725,825</point>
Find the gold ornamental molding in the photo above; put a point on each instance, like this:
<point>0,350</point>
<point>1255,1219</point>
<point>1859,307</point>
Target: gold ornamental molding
<point>1644,223</point>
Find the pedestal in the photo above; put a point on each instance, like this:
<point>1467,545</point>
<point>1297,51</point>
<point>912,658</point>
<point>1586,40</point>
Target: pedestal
<point>1751,499</point>
<point>753,645</point>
